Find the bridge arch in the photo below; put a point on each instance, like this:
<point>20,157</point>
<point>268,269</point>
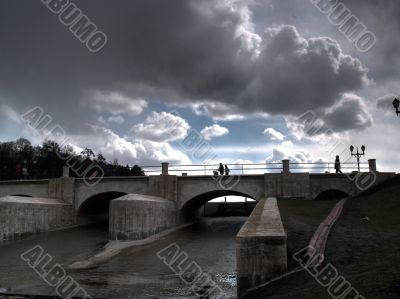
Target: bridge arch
<point>190,208</point>
<point>331,194</point>
<point>98,204</point>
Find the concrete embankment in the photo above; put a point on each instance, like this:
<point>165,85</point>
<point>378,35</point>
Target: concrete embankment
<point>261,251</point>
<point>27,215</point>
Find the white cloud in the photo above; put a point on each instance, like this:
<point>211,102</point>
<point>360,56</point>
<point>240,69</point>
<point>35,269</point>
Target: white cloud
<point>279,153</point>
<point>161,127</point>
<point>116,119</point>
<point>214,131</point>
<point>8,112</point>
<point>273,134</point>
<point>115,103</point>
<point>143,152</point>
<point>217,111</point>
<point>287,143</point>
<point>241,161</point>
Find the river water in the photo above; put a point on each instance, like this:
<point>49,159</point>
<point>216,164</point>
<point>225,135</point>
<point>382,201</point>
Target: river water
<point>137,272</point>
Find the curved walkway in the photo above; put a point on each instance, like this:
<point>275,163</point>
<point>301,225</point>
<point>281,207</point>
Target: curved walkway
<point>320,237</point>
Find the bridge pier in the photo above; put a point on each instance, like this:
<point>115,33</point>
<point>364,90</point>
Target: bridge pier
<point>164,168</point>
<point>62,189</point>
<point>261,251</point>
<point>285,166</point>
<point>372,165</point>
<point>136,217</point>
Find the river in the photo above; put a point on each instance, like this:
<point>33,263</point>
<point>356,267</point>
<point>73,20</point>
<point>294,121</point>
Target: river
<point>135,273</point>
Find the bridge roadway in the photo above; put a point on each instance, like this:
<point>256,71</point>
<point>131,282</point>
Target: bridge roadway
<point>137,272</point>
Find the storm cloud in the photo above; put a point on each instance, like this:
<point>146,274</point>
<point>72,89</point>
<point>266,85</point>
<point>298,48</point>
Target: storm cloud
<point>185,52</point>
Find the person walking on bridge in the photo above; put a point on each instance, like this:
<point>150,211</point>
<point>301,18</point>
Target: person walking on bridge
<point>226,170</point>
<point>221,169</point>
<point>337,165</point>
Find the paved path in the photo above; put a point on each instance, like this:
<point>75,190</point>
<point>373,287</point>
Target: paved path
<point>321,235</point>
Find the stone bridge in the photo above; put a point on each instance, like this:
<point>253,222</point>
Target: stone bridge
<point>184,194</point>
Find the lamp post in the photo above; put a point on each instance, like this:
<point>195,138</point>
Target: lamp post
<point>358,154</point>
<point>396,105</point>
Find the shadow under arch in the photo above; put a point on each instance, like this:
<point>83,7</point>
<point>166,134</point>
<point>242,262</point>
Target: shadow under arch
<point>98,204</point>
<point>189,210</point>
<point>332,194</point>
<point>22,195</point>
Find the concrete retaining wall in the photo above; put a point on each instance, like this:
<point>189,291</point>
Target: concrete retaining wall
<point>261,246</point>
<point>38,188</point>
<point>136,217</point>
<point>26,215</point>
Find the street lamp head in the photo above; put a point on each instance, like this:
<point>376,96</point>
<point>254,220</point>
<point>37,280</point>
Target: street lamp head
<point>363,148</point>
<point>351,148</point>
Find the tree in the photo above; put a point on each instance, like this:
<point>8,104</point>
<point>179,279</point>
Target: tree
<point>50,163</point>
<point>47,160</point>
<point>100,159</point>
<point>137,171</point>
<point>23,145</point>
<point>88,153</point>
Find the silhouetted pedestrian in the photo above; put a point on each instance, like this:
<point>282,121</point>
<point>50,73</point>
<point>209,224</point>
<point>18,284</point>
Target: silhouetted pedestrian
<point>221,169</point>
<point>18,172</point>
<point>337,165</point>
<point>226,170</point>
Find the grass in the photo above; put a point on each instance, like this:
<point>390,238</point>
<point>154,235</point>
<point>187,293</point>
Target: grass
<point>366,253</point>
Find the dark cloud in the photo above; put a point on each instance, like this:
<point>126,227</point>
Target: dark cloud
<point>296,74</point>
<point>181,51</point>
<point>380,17</point>
<point>350,113</point>
<point>383,19</point>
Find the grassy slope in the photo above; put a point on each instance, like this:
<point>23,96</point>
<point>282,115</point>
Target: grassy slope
<point>301,218</point>
<point>366,253</point>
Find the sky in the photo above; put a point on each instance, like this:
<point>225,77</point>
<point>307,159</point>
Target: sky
<point>253,81</point>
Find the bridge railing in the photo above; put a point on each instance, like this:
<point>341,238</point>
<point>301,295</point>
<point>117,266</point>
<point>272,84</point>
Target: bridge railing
<point>260,168</point>
<point>248,168</point>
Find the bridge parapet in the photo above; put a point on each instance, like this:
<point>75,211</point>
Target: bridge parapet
<point>287,184</point>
